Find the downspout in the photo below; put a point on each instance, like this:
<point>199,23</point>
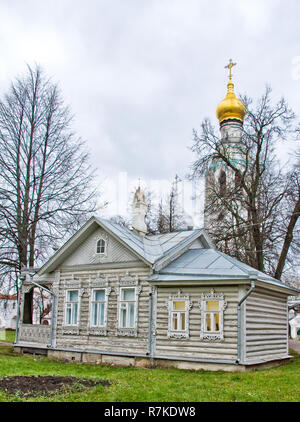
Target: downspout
<point>22,278</point>
<point>239,320</point>
<point>52,308</point>
<point>149,353</point>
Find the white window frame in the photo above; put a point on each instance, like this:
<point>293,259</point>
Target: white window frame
<point>101,282</point>
<point>212,297</point>
<point>179,333</point>
<point>103,245</point>
<point>127,282</point>
<point>98,302</point>
<point>126,303</point>
<point>67,302</point>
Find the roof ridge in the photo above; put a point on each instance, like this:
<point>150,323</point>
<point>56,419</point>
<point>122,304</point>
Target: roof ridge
<point>182,242</point>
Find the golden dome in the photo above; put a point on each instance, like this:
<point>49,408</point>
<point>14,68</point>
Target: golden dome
<point>231,107</point>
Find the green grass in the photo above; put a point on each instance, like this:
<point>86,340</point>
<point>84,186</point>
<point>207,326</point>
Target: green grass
<point>279,384</point>
<point>7,336</point>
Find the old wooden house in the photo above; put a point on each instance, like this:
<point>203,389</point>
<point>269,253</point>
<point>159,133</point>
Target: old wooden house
<point>120,296</point>
<point>125,297</point>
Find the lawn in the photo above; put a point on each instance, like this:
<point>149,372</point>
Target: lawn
<point>7,336</point>
<point>279,384</point>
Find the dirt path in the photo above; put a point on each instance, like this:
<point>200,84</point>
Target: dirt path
<point>46,385</point>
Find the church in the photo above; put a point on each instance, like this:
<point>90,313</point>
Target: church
<point>125,297</point>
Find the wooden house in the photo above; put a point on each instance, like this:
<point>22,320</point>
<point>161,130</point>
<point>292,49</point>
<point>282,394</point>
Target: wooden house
<point>120,296</point>
<point>124,297</point>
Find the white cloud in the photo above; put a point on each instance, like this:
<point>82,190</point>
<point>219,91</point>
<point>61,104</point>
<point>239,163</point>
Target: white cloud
<point>140,75</point>
<point>257,14</point>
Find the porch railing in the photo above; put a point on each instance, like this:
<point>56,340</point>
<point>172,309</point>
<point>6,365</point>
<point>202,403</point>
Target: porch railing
<point>34,333</point>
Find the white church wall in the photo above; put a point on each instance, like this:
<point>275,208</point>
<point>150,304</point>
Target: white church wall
<point>8,313</point>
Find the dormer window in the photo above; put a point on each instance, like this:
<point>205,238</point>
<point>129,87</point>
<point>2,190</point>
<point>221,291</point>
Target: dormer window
<point>101,246</point>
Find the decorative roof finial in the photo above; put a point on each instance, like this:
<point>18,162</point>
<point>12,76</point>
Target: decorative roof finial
<point>231,108</point>
<point>230,66</point>
<point>139,208</point>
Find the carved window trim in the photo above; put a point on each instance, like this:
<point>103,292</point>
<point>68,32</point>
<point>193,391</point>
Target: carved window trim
<point>179,297</point>
<point>212,335</point>
<point>68,285</point>
<point>69,302</point>
<point>124,282</point>
<point>99,283</point>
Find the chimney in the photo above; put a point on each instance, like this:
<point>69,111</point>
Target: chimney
<point>139,211</point>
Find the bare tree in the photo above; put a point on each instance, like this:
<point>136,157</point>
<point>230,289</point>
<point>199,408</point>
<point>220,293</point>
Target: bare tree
<point>290,226</point>
<point>120,220</point>
<point>46,184</point>
<point>249,217</point>
<point>41,305</point>
<point>168,215</point>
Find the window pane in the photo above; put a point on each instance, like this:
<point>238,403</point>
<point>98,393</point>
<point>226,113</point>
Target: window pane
<point>102,246</point>
<point>74,319</point>
<point>123,318</point>
<point>179,305</point>
<point>127,294</point>
<point>131,315</point>
<point>99,295</point>
<point>101,314</point>
<point>68,316</point>
<point>182,321</point>
<point>212,305</point>
<point>94,314</point>
<point>175,325</point>
<point>208,322</point>
<point>217,322</point>
<point>72,295</point>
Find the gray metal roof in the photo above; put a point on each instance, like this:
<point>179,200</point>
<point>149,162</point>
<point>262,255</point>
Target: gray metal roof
<point>195,264</point>
<point>206,264</point>
<point>150,247</point>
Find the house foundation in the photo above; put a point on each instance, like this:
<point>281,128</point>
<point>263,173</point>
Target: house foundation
<point>146,362</point>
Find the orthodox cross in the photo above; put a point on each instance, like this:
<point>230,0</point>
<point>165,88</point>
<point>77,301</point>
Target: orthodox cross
<point>230,66</point>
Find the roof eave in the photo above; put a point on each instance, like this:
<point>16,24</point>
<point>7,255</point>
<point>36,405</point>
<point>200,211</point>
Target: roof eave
<point>234,279</point>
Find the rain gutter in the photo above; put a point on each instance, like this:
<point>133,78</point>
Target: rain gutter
<point>150,325</point>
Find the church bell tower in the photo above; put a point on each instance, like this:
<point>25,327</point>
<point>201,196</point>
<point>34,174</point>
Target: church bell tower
<point>230,113</point>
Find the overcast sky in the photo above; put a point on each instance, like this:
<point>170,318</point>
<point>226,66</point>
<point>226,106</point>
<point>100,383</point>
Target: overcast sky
<point>140,75</point>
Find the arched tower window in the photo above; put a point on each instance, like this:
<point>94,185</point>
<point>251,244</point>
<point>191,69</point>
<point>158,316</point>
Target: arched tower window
<point>222,183</point>
<point>101,245</point>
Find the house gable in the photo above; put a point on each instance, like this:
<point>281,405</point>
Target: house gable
<point>87,254</point>
<point>81,243</point>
